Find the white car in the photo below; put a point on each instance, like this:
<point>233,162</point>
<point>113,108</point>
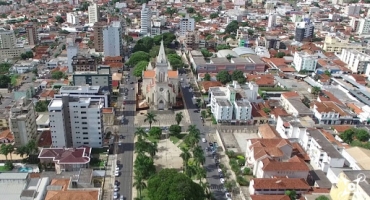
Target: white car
<point>115,195</point>
<point>116,173</point>
<point>121,198</point>
<point>204,140</point>
<point>228,195</point>
<point>117,168</point>
<point>222,180</point>
<point>116,189</point>
<point>219,170</point>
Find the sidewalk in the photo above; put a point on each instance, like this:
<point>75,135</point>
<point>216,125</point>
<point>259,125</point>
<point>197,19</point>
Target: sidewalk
<point>109,178</point>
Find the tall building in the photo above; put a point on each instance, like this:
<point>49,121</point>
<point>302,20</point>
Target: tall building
<point>98,36</point>
<point>112,39</point>
<point>146,20</point>
<point>84,63</point>
<point>356,61</point>
<point>304,30</point>
<point>7,39</point>
<point>353,10</point>
<point>94,13</point>
<point>31,30</point>
<point>363,26</point>
<point>76,121</point>
<point>160,84</point>
<point>305,61</point>
<point>271,21</point>
<point>73,18</point>
<point>187,24</point>
<point>22,121</point>
<point>72,51</point>
<point>101,77</point>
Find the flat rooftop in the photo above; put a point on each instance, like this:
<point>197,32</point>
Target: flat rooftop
<point>326,146</point>
<point>223,102</point>
<point>42,119</point>
<point>56,103</point>
<point>218,91</point>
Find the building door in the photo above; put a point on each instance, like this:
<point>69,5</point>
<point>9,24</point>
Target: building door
<point>161,105</point>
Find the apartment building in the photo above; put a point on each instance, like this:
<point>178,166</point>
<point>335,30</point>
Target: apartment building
<point>94,13</point>
<point>352,185</point>
<point>304,30</point>
<point>186,24</point>
<point>355,60</point>
<point>305,61</point>
<point>112,39</point>
<point>84,63</point>
<point>146,19</point>
<point>73,18</point>
<point>192,40</point>
<point>363,26</point>
<point>331,113</point>
<point>22,121</point>
<point>8,48</point>
<point>101,77</point>
<point>94,92</point>
<point>352,10</point>
<point>76,121</point>
<point>31,30</point>
<point>232,103</point>
<point>98,36</point>
<point>336,44</point>
<point>291,101</point>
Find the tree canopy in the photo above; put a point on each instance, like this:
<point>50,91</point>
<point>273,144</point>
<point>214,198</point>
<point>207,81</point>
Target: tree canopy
<point>238,75</point>
<point>207,77</point>
<point>232,27</point>
<point>223,76</point>
<point>137,57</point>
<point>167,39</point>
<point>348,136</point>
<point>213,15</point>
<point>322,197</point>
<point>4,81</point>
<point>140,67</point>
<point>57,75</point>
<point>4,67</point>
<point>144,44</point>
<point>170,184</point>
<point>155,50</point>
<point>206,53</point>
<point>190,10</point>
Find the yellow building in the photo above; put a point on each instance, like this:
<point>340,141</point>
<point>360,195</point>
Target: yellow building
<point>336,44</point>
<point>352,185</point>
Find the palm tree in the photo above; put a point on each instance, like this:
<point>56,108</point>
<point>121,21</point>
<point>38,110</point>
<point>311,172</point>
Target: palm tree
<point>152,149</point>
<point>198,154</point>
<point>178,118</point>
<point>21,151</point>
<point>185,155</point>
<point>140,132</point>
<point>10,150</point>
<point>4,150</point>
<point>192,128</point>
<point>139,184</point>
<point>141,145</point>
<point>150,118</point>
<point>200,173</point>
<point>32,147</point>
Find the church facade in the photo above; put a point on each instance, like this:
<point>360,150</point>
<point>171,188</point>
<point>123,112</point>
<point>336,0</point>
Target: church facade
<point>160,85</point>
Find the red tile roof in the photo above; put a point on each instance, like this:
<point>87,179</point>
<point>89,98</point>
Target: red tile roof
<point>269,197</point>
<point>80,155</point>
<point>115,83</point>
<point>270,147</point>
<point>280,184</point>
<point>45,139</point>
<point>7,135</point>
<point>293,164</point>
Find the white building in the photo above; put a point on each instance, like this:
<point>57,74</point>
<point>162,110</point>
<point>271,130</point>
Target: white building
<point>72,50</point>
<point>271,21</point>
<point>187,24</point>
<point>73,18</point>
<point>305,61</point>
<point>73,2</point>
<point>331,113</point>
<point>93,11</point>
<point>364,26</point>
<point>93,92</point>
<point>262,52</point>
<point>226,107</point>
<point>304,29</point>
<point>22,121</point>
<point>75,122</point>
<point>112,39</point>
<point>353,10</point>
<point>146,19</point>
<point>355,60</point>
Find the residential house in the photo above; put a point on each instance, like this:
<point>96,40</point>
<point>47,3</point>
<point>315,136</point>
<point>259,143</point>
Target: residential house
<point>269,197</point>
<point>292,103</point>
<point>6,137</point>
<point>329,112</point>
<point>108,116</point>
<point>352,185</point>
<point>266,131</point>
<point>277,186</point>
<point>66,159</point>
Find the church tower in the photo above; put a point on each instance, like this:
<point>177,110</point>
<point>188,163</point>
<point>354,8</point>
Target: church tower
<point>162,65</point>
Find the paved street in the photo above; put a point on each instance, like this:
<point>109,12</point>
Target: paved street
<point>126,149</point>
<point>212,174</point>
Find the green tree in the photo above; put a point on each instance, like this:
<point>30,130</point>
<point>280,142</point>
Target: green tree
<point>144,166</point>
<point>280,55</point>
<point>175,130</point>
<point>144,44</point>
<point>9,165</point>
<point>203,114</point>
<point>4,149</point>
<point>238,75</point>
<point>322,197</point>
<point>222,46</point>
<point>139,68</point>
<point>155,50</point>
<point>362,135</point>
<point>59,19</point>
<point>152,149</point>
<point>5,81</point>
<point>57,75</point>
<point>213,15</point>
<point>179,117</point>
<point>207,77</point>
<point>171,184</point>
<point>32,148</point>
<point>141,145</point>
<point>190,10</point>
<point>171,11</point>
<point>185,155</point>
<point>150,118</point>
<point>200,173</point>
<point>155,132</point>
<point>327,72</point>
<point>139,184</point>
<point>291,193</point>
<point>140,132</point>
<point>316,90</point>
<point>137,57</point>
<point>232,27</point>
<point>175,61</point>
<point>21,151</point>
<point>223,76</point>
<point>347,135</point>
<point>42,106</point>
<point>4,67</point>
<point>198,154</point>
<point>230,185</point>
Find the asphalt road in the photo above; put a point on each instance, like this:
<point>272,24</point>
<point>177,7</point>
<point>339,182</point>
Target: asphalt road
<point>125,151</point>
<point>210,166</point>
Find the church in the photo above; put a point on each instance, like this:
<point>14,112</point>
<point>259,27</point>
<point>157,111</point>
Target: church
<point>160,83</point>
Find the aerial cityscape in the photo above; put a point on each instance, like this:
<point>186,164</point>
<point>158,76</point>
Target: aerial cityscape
<point>185,100</point>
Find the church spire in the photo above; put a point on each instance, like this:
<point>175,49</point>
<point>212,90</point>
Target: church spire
<point>161,58</point>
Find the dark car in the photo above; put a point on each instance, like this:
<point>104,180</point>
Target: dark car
<point>116,182</point>
<point>132,83</point>
<point>196,111</point>
<point>210,144</point>
<point>221,175</point>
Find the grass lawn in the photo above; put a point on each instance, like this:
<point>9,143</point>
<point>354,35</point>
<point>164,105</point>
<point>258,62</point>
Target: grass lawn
<point>3,169</point>
<point>182,144</point>
<point>174,139</point>
<point>152,139</point>
<point>97,164</point>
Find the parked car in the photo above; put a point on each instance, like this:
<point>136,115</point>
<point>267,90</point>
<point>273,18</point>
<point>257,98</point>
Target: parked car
<point>115,195</point>
<point>116,182</point>
<point>222,180</point>
<point>210,144</point>
<point>204,140</point>
<point>116,173</point>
